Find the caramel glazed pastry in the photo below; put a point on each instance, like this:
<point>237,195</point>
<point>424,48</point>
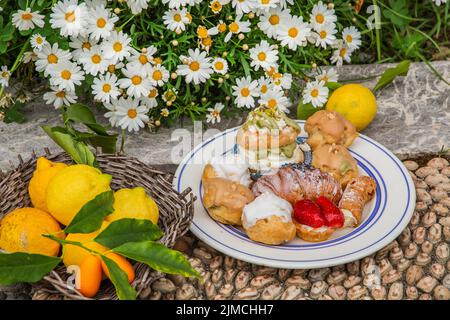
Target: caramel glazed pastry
<point>226,181</point>
<point>268,140</point>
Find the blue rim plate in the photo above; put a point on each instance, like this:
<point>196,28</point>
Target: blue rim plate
<point>384,217</point>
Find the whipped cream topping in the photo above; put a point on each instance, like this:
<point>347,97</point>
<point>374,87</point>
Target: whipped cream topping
<point>270,160</point>
<point>233,167</point>
<point>349,219</point>
<point>265,206</point>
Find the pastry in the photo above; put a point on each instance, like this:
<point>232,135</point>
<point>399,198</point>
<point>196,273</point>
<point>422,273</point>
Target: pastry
<point>358,192</point>
<point>329,127</point>
<point>229,166</point>
<point>268,219</point>
<point>298,181</point>
<point>336,160</point>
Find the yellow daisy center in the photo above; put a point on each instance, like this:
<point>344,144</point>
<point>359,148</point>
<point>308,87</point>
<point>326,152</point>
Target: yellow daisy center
<point>264,88</point>
<point>216,6</point>
<point>265,1</point>
<point>117,47</point>
<point>314,93</point>
<point>245,92</point>
<point>106,88</point>
<point>177,17</point>
<point>342,52</point>
<point>136,80</point>
<point>323,34</point>
<point>207,42</point>
<point>325,78</point>
<point>234,27</point>
<point>222,27</point>
<point>293,32</point>
<point>320,18</point>
<point>66,74</point>
<point>262,56</point>
<point>157,60</point>
<point>96,59</point>
<point>274,19</point>
<point>132,113</point>
<point>27,16</point>
<point>143,59</point>
<point>60,94</point>
<point>157,75</point>
<point>86,45</point>
<point>70,16</point>
<point>218,65</point>
<point>349,38</point>
<point>194,65</point>
<point>111,68</point>
<point>272,103</point>
<point>153,93</point>
<point>39,40</point>
<point>202,32</point>
<point>101,23</point>
<point>52,58</point>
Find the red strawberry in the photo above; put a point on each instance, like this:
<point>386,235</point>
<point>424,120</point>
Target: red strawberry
<point>334,218</point>
<point>307,212</point>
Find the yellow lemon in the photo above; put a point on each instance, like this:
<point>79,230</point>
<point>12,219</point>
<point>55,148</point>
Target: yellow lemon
<point>45,171</point>
<point>71,188</point>
<point>356,103</point>
<point>134,203</point>
<point>74,255</point>
<point>21,231</point>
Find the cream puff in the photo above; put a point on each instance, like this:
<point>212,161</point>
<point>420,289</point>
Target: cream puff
<point>268,219</point>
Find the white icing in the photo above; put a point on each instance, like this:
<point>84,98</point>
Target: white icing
<point>232,166</point>
<point>309,228</point>
<point>349,219</point>
<point>269,160</point>
<point>265,206</point>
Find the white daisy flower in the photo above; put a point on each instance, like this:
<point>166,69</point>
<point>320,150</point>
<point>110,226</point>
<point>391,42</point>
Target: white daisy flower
<point>111,115</point>
<point>282,81</point>
<point>214,113</point>
<point>59,97</point>
<point>341,53</point>
<point>158,75</point>
<point>264,55</point>
<point>220,65</point>
<point>293,32</point>
<point>131,114</point>
<point>164,112</point>
<point>352,37</point>
<point>113,67</point>
<point>50,56</point>
<point>175,4</point>
<point>93,61</point>
<point>117,46</point>
<point>315,93</point>
<point>236,27</point>
<point>196,67</point>
<point>321,15</point>
<point>329,75</point>
<point>216,6</point>
<point>242,6</point>
<point>170,95</point>
<point>325,35</point>
<point>264,85</point>
<point>37,42</point>
<point>70,17</point>
<point>439,2</point>
<point>284,3</point>
<point>176,20</point>
<point>143,59</point>
<point>150,99</point>
<point>81,44</point>
<point>65,75</point>
<point>269,22</point>
<point>26,20</point>
<point>29,56</point>
<point>136,83</point>
<point>245,90</point>
<point>137,6</point>
<point>266,5</point>
<point>100,23</point>
<point>275,99</point>
<point>95,3</point>
<point>5,74</point>
<point>105,88</point>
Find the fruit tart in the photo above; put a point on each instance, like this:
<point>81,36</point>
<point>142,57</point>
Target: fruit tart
<point>268,219</point>
<point>268,140</point>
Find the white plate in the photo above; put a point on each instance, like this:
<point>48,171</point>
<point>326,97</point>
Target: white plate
<point>384,217</point>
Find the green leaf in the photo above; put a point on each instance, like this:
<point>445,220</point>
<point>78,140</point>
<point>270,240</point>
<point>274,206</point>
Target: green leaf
<point>128,230</point>
<point>304,111</point>
<point>25,267</point>
<point>107,143</point>
<point>91,215</point>
<point>14,113</point>
<point>119,279</point>
<point>398,13</point>
<point>158,257</point>
<point>333,85</point>
<point>80,113</point>
<point>245,65</point>
<point>391,73</point>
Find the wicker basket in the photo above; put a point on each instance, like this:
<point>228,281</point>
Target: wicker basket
<point>176,210</point>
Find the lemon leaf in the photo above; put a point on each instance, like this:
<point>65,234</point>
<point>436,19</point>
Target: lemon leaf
<point>391,73</point>
<point>128,230</point>
<point>91,215</point>
<point>25,267</point>
<point>158,257</point>
<point>119,279</point>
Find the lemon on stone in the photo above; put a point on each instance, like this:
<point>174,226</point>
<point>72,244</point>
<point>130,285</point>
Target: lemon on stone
<point>134,203</point>
<point>71,188</point>
<point>356,103</point>
<point>45,171</point>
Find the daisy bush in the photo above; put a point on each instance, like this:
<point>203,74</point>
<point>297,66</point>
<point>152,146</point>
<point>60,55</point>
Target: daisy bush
<point>150,62</point>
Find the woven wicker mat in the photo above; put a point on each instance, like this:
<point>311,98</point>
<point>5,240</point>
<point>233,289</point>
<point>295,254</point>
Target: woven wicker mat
<point>414,266</point>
